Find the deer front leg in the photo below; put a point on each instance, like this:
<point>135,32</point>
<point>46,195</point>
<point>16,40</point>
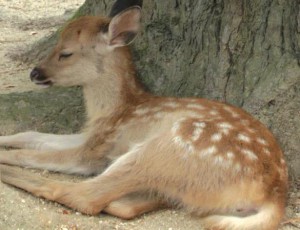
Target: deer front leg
<point>72,161</point>
<point>43,141</point>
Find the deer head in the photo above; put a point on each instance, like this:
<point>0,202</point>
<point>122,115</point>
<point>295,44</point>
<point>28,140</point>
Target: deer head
<point>88,48</point>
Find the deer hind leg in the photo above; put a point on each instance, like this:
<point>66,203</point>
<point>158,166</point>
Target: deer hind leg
<point>126,207</point>
<point>123,177</point>
<point>43,141</point>
<point>134,205</point>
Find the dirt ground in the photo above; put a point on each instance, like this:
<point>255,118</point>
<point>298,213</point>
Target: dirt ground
<point>23,22</point>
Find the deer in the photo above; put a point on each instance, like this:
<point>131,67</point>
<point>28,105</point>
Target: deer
<point>143,152</point>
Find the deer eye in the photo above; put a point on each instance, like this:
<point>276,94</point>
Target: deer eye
<point>64,55</point>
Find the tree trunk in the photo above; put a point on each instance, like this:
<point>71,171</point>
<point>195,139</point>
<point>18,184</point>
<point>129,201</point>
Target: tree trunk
<point>242,52</point>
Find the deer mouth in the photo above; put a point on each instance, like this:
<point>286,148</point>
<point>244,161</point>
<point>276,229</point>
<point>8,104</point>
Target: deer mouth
<point>44,84</point>
<point>38,77</point>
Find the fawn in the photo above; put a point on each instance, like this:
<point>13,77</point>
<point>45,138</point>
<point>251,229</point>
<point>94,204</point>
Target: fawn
<point>146,151</point>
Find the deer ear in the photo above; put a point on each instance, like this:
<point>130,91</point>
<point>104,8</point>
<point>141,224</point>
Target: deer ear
<point>123,28</point>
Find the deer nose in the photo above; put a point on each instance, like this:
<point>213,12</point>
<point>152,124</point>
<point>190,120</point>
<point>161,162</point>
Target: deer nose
<point>37,75</point>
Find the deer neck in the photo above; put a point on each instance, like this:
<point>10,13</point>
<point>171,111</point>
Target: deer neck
<point>114,89</point>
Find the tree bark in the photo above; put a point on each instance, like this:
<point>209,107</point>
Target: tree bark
<point>242,52</point>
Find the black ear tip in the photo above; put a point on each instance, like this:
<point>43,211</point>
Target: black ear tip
<point>121,5</point>
<point>139,3</point>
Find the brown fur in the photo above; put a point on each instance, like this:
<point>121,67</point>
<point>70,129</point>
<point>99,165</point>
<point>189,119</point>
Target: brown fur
<point>205,156</point>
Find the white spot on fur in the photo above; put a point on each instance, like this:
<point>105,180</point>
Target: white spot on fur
<point>190,100</point>
<point>170,104</point>
<point>219,160</point>
<point>213,112</point>
<point>262,141</point>
<point>235,115</point>
<point>243,137</point>
<point>194,115</point>
<point>187,145</point>
<point>267,151</point>
<point>245,122</point>
<point>249,154</point>
<point>232,111</point>
<point>225,131</point>
<point>282,172</point>
<point>199,124</point>
<point>197,133</point>
<point>282,161</point>
<point>230,155</point>
<point>216,137</point>
<point>225,127</point>
<point>208,151</point>
<point>195,106</point>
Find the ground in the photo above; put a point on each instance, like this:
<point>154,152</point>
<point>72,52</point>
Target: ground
<point>23,23</point>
